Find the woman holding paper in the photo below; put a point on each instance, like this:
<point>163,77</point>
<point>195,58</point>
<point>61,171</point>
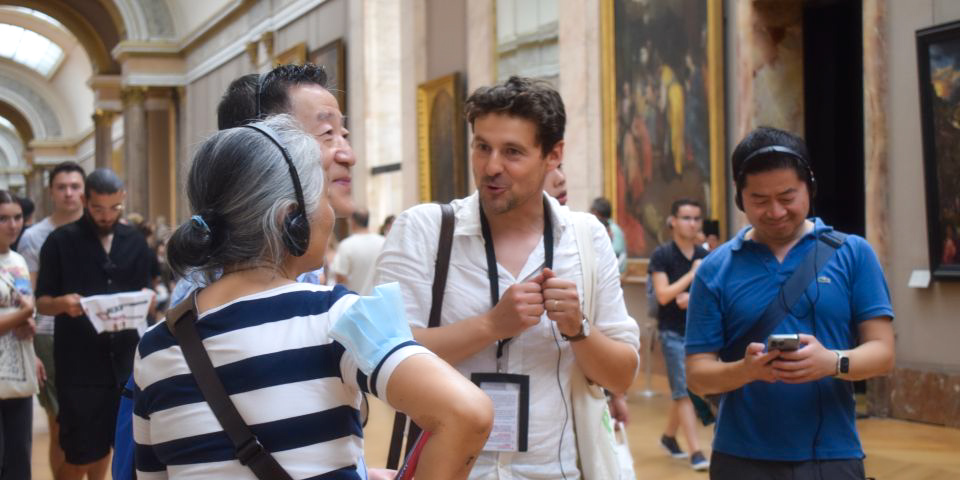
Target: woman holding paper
<point>293,357</point>
<point>18,365</point>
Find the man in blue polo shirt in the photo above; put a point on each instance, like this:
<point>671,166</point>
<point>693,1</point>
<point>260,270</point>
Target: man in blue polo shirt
<point>786,414</point>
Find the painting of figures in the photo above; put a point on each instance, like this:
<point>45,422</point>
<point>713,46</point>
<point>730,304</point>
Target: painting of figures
<point>938,53</point>
<point>667,140</point>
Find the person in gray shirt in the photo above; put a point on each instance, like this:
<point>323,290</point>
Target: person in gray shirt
<point>66,189</point>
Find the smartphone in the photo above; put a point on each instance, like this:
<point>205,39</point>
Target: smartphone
<point>787,342</point>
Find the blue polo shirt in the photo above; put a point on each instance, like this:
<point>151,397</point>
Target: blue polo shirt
<point>779,421</point>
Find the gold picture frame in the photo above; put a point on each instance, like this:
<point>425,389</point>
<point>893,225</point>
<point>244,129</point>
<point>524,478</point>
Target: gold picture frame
<point>295,55</point>
<point>652,59</point>
<point>441,137</point>
<point>334,60</point>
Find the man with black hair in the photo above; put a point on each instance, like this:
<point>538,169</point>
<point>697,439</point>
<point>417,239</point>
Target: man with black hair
<point>66,190</point>
<point>786,412</point>
<point>673,266</point>
<point>94,255</point>
<point>303,92</point>
<point>513,316</point>
<point>356,259</point>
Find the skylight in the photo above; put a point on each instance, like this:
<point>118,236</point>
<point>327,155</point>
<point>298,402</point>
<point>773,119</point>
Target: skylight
<point>40,15</point>
<point>29,48</point>
<point>6,123</point>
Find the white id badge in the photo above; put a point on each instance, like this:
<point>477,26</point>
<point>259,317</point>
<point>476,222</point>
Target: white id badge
<point>510,394</point>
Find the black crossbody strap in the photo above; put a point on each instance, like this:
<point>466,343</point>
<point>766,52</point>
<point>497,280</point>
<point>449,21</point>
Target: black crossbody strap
<point>246,445</point>
<point>778,308</point>
<point>441,267</point>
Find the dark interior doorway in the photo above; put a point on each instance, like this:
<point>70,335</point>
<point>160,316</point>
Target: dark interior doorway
<point>833,104</point>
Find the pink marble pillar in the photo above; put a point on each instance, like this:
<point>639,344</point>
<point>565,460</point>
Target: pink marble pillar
<point>770,66</point>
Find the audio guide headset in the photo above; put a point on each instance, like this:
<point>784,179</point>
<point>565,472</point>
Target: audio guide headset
<point>740,169</point>
<point>296,227</point>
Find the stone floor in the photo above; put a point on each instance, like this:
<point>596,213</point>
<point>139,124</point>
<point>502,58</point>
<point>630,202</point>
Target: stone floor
<point>896,450</point>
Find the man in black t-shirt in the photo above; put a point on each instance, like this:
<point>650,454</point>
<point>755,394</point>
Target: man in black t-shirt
<point>673,266</point>
<point>91,256</point>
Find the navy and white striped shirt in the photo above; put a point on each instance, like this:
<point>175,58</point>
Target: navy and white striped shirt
<point>298,389</point>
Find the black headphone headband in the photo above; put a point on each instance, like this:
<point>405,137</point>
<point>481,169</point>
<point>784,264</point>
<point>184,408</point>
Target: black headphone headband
<point>772,149</point>
<point>739,174</point>
<point>298,191</point>
<point>297,226</point>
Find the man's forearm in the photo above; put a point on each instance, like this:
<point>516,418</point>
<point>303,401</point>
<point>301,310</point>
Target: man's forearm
<point>458,341</point>
<point>48,305</point>
<point>707,376</point>
<point>666,292</point>
<point>610,363</point>
<point>869,359</point>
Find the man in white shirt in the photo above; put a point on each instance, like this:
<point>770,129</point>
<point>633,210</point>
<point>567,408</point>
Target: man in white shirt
<point>356,259</point>
<point>523,325</point>
<point>66,189</point>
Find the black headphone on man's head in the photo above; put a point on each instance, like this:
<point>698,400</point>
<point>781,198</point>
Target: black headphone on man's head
<point>740,168</point>
<point>296,227</point>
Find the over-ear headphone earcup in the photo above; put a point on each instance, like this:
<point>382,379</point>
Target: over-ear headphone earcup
<point>296,235</point>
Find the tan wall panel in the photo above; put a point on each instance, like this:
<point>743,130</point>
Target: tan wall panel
<point>927,323</point>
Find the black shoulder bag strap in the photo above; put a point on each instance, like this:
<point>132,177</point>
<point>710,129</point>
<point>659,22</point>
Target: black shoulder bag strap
<point>441,268</point>
<point>792,290</point>
<point>247,448</point>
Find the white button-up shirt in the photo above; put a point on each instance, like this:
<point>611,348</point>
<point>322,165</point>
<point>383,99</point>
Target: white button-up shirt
<point>408,257</point>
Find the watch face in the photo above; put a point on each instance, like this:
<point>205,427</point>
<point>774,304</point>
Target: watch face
<point>845,365</point>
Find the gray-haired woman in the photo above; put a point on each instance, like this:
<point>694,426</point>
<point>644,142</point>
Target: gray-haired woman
<point>293,357</point>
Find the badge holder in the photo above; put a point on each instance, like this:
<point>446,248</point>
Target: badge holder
<point>510,394</point>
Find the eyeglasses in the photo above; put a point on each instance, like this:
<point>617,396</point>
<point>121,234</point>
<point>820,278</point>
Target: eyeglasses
<point>98,210</point>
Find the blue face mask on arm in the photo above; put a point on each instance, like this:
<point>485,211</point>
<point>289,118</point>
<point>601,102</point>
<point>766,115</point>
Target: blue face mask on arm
<point>373,326</point>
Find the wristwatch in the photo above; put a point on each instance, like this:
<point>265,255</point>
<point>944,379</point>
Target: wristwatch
<point>843,363</point>
<point>584,332</point>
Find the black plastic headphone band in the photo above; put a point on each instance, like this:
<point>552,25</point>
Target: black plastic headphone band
<point>773,149</point>
<point>298,191</point>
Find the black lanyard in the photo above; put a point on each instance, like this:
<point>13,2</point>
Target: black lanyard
<point>492,273</point>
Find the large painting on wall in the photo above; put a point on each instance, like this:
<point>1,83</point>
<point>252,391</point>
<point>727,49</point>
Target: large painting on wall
<point>938,56</point>
<point>663,108</point>
<point>440,137</point>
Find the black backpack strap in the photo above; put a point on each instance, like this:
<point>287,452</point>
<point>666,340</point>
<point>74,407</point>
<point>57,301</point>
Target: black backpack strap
<point>440,269</point>
<point>247,447</point>
<point>791,291</point>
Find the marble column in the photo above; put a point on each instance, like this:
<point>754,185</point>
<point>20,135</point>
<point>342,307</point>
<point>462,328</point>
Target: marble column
<point>383,110</point>
<point>580,87</point>
<point>481,44</point>
<point>103,137</point>
<point>875,125</point>
<point>37,192</point>
<point>770,66</point>
<point>135,150</point>
<point>880,389</point>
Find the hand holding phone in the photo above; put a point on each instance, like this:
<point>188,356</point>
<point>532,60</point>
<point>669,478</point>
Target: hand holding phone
<point>788,342</point>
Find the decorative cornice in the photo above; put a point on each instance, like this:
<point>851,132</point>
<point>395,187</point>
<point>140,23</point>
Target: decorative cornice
<point>284,17</point>
<point>101,81</point>
<point>127,48</point>
<point>211,24</point>
<point>155,80</point>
